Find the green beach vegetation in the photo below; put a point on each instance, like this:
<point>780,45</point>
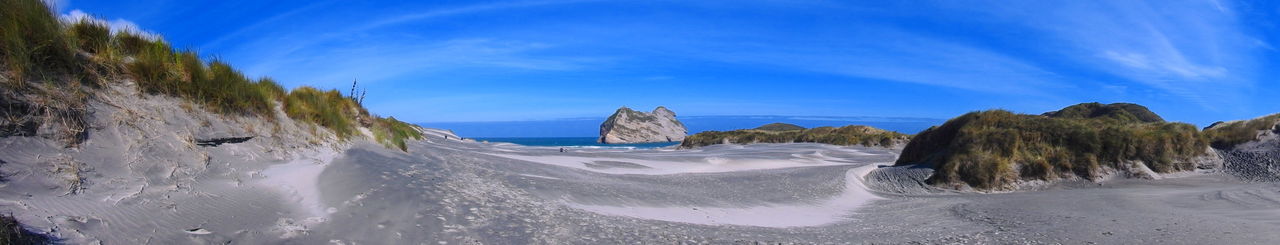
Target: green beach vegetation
<point>992,150</point>
<point>1226,135</point>
<point>1124,112</point>
<point>54,60</point>
<point>779,127</point>
<point>787,133</point>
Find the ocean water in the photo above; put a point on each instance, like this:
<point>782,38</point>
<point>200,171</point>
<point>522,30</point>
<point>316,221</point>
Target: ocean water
<point>590,127</point>
<point>577,142</point>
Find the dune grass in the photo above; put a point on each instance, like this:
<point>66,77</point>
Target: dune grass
<point>37,48</point>
<point>326,108</point>
<point>159,69</point>
<point>779,127</point>
<point>91,36</point>
<point>394,133</point>
<point>1226,135</point>
<point>35,45</point>
<point>1124,112</point>
<point>42,79</point>
<point>994,149</point>
<point>847,135</point>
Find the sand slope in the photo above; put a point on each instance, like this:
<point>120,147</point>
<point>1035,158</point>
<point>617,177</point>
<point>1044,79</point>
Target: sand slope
<point>140,180</point>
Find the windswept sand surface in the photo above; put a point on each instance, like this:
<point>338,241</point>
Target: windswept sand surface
<point>724,186</point>
<point>451,191</point>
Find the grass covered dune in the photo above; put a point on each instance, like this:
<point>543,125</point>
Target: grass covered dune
<point>788,133</point>
<point>1227,135</point>
<point>996,149</point>
<point>51,67</point>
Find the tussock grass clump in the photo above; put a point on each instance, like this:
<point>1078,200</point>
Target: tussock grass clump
<point>230,91</point>
<point>994,149</point>
<point>45,64</point>
<point>35,46</point>
<point>132,43</point>
<point>343,115</point>
<point>270,88</point>
<point>847,135</point>
<point>92,36</point>
<point>158,69</point>
<point>394,133</point>
<point>326,108</point>
<point>779,127</point>
<point>1124,112</point>
<point>42,80</point>
<point>1226,135</point>
<point>853,135</point>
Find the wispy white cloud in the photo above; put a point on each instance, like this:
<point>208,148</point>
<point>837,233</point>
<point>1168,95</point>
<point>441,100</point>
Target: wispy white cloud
<point>336,53</point>
<point>468,9</point>
<point>1196,50</point>
<point>389,59</point>
<point>893,55</point>
<point>1031,51</point>
<point>941,63</point>
<point>257,26</point>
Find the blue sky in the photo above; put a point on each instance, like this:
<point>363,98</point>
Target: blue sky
<point>445,61</point>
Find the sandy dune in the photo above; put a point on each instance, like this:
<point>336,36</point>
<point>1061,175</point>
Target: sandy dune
<point>144,182</point>
<point>455,191</point>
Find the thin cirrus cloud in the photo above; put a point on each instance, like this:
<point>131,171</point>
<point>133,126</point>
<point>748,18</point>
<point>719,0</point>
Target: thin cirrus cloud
<point>1196,61</point>
<point>242,32</point>
<point>1193,50</point>
<point>336,65</point>
<point>327,54</point>
<point>467,9</point>
<point>902,57</point>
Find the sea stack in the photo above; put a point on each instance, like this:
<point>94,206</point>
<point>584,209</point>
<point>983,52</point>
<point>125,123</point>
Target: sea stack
<point>629,126</point>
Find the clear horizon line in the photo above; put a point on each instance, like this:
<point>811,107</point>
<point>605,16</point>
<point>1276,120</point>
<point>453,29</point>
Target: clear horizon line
<point>696,116</point>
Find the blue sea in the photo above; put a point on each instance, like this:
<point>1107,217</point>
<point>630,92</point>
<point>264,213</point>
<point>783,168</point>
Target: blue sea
<point>585,129</point>
<point>579,142</point>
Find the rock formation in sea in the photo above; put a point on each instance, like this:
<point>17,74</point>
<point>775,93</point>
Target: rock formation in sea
<point>631,126</point>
